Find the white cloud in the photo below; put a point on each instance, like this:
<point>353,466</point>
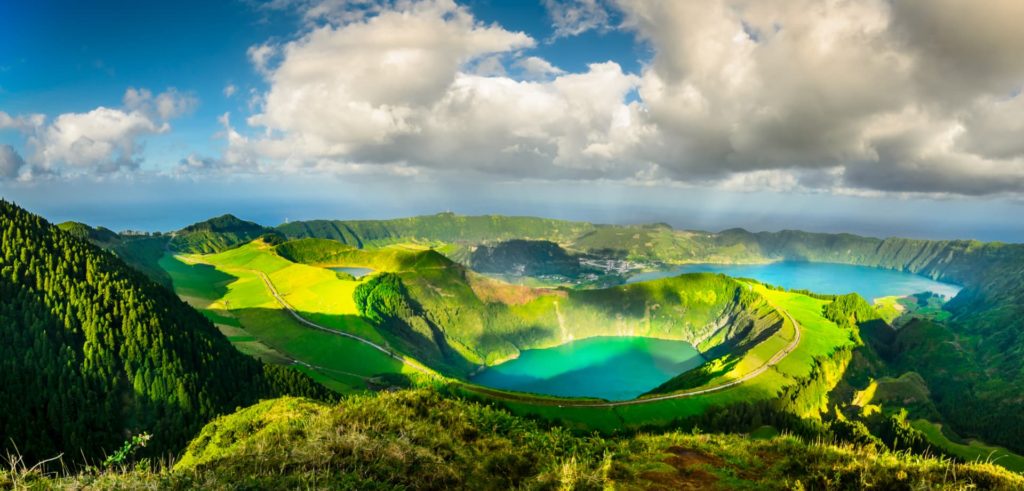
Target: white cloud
<point>260,55</point>
<point>876,87</point>
<point>166,105</point>
<point>24,122</point>
<point>574,17</point>
<point>536,68</point>
<point>101,141</point>
<point>229,90</point>
<point>424,87</point>
<point>11,163</point>
<point>853,97</point>
<point>369,82</point>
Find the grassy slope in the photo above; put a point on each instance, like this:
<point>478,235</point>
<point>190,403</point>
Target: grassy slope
<point>972,451</point>
<point>482,328</point>
<point>216,234</point>
<point>439,228</point>
<point>228,287</point>
<point>636,310</point>
<point>418,440</point>
<point>820,338</point>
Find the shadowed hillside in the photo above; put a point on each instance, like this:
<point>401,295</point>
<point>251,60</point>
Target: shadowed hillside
<point>91,351</point>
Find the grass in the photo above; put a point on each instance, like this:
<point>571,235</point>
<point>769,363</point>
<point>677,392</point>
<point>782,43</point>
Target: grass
<point>899,310</point>
<point>227,289</point>
<point>418,439</point>
<point>889,308</point>
<point>971,451</point>
<point>820,338</point>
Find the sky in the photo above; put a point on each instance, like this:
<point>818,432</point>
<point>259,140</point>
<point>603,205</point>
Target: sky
<point>868,116</point>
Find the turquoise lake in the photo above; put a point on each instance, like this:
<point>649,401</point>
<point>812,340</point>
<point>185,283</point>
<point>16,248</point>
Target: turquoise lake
<point>870,283</point>
<point>613,368</point>
<point>356,272</point>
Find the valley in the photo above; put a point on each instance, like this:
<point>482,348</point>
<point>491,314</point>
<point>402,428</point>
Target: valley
<point>462,302</point>
<point>686,348</point>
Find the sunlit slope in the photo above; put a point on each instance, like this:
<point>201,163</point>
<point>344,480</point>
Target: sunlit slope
<point>454,320</point>
<point>797,384</point>
<point>228,288</point>
<point>393,258</point>
<point>216,234</point>
<point>459,319</point>
<point>442,227</point>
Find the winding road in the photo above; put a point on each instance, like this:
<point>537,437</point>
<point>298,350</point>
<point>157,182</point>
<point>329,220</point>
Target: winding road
<point>540,401</point>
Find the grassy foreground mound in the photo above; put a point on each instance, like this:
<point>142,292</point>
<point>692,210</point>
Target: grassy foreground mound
<point>419,439</point>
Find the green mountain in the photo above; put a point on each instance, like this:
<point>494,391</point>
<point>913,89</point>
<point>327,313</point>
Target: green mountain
<point>420,439</point>
<point>977,396</point>
<point>453,318</point>
<point>525,257</point>
<point>442,227</point>
<point>91,351</point>
<point>216,234</point>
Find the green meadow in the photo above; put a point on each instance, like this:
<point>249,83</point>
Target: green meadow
<point>228,289</point>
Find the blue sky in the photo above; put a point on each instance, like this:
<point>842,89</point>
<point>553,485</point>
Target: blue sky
<point>729,113</point>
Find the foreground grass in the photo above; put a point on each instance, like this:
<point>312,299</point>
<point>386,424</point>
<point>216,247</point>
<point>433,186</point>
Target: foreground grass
<point>419,439</point>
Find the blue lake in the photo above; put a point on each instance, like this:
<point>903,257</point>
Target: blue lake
<point>870,283</point>
<point>613,368</point>
<point>356,272</point>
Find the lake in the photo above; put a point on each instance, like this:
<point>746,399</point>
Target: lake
<point>613,368</point>
<point>356,272</point>
<point>870,283</point>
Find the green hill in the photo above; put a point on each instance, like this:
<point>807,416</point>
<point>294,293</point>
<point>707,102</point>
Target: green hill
<point>216,234</point>
<point>92,351</point>
<point>98,235</point>
<point>984,320</point>
<point>421,440</point>
<point>456,320</point>
<point>325,252</point>
<point>525,257</point>
<point>442,227</point>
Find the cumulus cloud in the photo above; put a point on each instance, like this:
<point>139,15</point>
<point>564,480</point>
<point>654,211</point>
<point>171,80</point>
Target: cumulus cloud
<point>875,87</point>
<point>101,141</point>
<point>574,17</point>
<point>24,123</point>
<point>536,68</point>
<point>164,106</point>
<point>11,163</point>
<point>420,86</point>
<point>260,55</point>
<point>229,90</point>
<point>865,96</point>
